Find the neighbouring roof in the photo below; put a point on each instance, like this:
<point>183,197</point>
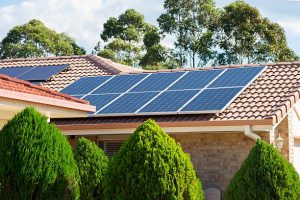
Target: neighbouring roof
<point>79,66</point>
<point>268,98</point>
<point>15,85</point>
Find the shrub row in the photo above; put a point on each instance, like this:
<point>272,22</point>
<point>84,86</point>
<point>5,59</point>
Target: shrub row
<point>37,163</point>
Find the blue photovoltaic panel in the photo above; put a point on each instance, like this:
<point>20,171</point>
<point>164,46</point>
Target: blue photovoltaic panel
<point>100,100</point>
<point>212,99</point>
<point>119,84</point>
<point>157,82</point>
<point>14,71</point>
<point>85,85</point>
<point>201,91</point>
<point>236,77</point>
<point>169,101</point>
<point>77,96</point>
<point>129,103</point>
<point>42,73</point>
<point>195,79</point>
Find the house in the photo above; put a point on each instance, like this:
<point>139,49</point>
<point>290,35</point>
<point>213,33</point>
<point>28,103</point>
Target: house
<point>17,94</point>
<point>218,143</point>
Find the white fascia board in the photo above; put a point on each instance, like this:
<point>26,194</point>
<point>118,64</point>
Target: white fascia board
<point>173,130</point>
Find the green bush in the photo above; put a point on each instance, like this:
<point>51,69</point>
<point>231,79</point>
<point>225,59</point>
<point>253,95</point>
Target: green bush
<point>92,164</point>
<point>150,165</point>
<point>36,160</point>
<point>265,174</point>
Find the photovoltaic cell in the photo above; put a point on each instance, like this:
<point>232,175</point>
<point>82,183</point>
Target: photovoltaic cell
<point>119,84</point>
<point>85,85</point>
<point>212,99</point>
<point>169,101</point>
<point>14,71</point>
<point>129,103</point>
<point>236,77</point>
<point>41,73</point>
<point>195,79</point>
<point>157,82</point>
<point>100,100</point>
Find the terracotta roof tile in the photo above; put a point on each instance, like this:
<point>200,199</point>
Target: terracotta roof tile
<point>80,66</point>
<point>269,97</point>
<point>12,84</point>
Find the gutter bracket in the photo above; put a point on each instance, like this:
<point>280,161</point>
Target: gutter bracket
<point>248,132</point>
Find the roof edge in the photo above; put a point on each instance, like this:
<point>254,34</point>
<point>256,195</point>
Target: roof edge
<point>85,126</point>
<point>33,98</point>
<point>41,88</point>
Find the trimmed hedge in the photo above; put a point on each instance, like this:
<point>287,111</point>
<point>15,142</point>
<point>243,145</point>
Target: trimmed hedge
<point>265,174</point>
<point>92,164</point>
<point>150,165</point>
<point>36,160</point>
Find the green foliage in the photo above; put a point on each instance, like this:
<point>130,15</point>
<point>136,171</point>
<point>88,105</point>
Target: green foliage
<point>150,165</point>
<point>92,164</point>
<point>234,35</point>
<point>155,54</point>
<point>265,174</point>
<point>191,22</point>
<point>246,37</point>
<point>34,39</point>
<point>124,35</point>
<point>36,160</point>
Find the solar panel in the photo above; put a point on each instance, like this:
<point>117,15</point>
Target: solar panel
<point>34,74</point>
<point>85,85</point>
<point>120,84</point>
<point>129,103</point>
<point>195,80</point>
<point>199,91</point>
<point>100,100</point>
<point>169,101</point>
<point>42,73</point>
<point>14,71</point>
<point>236,77</point>
<point>212,100</point>
<point>157,82</point>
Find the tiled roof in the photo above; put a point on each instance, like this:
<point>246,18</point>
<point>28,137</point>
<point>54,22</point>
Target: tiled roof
<point>80,66</point>
<point>16,85</point>
<point>269,97</point>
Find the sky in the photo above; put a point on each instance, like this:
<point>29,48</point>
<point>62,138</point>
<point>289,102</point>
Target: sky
<point>83,19</point>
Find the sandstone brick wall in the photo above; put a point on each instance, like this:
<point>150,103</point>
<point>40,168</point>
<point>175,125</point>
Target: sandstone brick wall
<point>216,156</point>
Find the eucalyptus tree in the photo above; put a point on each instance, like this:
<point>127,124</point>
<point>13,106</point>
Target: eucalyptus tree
<point>34,39</point>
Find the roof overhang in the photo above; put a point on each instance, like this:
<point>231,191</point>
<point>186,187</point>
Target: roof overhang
<point>170,127</point>
<point>12,102</point>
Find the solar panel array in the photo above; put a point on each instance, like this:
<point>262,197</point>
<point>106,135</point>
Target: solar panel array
<point>34,74</point>
<point>199,91</point>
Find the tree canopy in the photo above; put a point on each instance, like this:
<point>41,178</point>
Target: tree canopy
<point>206,35</point>
<point>150,165</point>
<point>124,36</point>
<point>191,22</point>
<point>34,39</point>
<point>244,36</point>
<point>36,160</point>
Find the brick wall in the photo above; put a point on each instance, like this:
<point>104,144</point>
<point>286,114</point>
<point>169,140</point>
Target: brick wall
<point>216,156</point>
<point>285,131</point>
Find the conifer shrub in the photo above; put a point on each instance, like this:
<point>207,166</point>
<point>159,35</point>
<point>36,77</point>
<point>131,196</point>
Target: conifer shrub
<point>92,164</point>
<point>150,165</point>
<point>265,174</point>
<point>36,160</point>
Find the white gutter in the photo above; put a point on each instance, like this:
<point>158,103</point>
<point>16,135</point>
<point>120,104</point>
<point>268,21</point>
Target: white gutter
<point>248,132</point>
